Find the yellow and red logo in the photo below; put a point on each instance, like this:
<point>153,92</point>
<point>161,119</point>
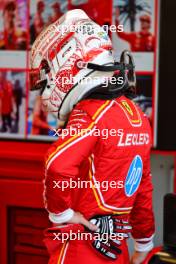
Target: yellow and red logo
<point>132,112</point>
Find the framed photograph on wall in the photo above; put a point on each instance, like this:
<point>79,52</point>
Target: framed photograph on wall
<point>40,125</point>
<point>43,13</point>
<point>139,35</point>
<point>12,104</point>
<point>144,98</point>
<point>99,11</point>
<point>13,33</point>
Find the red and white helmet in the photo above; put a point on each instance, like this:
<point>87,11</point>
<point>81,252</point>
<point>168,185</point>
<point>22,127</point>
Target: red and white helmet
<point>64,55</point>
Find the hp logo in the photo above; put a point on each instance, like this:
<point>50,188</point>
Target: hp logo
<point>134,176</point>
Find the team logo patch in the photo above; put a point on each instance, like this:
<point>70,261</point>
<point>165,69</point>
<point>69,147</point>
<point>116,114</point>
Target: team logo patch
<point>131,112</point>
<point>134,176</point>
<point>128,108</point>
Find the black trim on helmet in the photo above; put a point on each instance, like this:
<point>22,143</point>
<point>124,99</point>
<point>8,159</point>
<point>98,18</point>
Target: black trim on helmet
<point>127,71</point>
<point>115,67</point>
<point>125,66</point>
<point>115,90</point>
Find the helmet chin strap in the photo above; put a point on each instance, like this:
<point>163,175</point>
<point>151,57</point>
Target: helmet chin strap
<point>105,68</point>
<point>125,66</point>
<point>127,71</point>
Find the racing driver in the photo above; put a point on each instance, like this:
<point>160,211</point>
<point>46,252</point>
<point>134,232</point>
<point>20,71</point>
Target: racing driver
<point>72,61</point>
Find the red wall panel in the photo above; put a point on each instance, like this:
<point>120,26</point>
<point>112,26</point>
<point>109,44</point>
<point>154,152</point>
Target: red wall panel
<point>22,216</point>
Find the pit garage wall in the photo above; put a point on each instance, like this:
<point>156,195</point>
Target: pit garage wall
<point>22,216</point>
<point>163,181</point>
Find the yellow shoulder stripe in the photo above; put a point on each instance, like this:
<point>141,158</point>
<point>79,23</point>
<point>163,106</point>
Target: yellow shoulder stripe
<point>101,108</point>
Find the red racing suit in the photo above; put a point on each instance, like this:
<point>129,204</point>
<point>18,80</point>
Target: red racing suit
<point>114,149</point>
